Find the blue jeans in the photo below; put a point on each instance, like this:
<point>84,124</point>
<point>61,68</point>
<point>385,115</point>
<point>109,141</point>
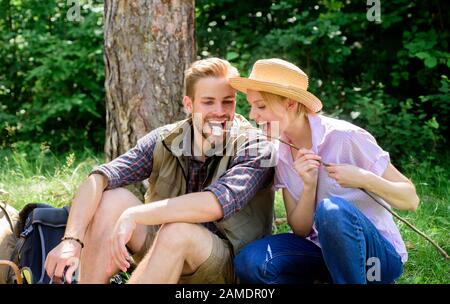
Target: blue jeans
<point>353,252</point>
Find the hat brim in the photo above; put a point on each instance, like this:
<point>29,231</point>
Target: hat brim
<point>308,99</point>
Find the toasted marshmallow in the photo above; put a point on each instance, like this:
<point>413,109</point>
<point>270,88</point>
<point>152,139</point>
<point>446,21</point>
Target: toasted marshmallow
<point>216,130</point>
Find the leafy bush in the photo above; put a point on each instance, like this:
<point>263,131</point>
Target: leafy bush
<point>390,77</point>
<point>51,75</point>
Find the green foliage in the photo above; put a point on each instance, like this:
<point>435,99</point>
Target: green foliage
<point>51,75</point>
<point>393,122</point>
<point>390,77</point>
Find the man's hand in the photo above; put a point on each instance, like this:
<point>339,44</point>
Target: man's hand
<point>347,176</point>
<point>121,235</point>
<point>306,164</point>
<point>66,254</point>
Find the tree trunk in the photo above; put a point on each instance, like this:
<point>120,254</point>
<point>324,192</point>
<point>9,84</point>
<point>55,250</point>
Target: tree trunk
<point>148,45</point>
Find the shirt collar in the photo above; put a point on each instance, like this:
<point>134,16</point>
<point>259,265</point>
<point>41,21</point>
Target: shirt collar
<point>318,132</point>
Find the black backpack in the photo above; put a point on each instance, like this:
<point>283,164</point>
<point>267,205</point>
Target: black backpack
<point>41,228</point>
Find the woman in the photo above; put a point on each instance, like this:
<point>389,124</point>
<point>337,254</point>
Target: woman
<point>339,232</point>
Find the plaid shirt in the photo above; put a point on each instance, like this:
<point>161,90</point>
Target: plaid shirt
<point>233,189</point>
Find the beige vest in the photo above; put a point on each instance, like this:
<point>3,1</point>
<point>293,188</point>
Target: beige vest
<point>168,179</point>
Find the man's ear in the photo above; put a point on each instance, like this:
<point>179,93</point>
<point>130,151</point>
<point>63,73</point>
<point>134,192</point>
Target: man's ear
<point>187,103</point>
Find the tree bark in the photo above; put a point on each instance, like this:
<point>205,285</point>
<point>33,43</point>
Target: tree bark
<point>148,45</point>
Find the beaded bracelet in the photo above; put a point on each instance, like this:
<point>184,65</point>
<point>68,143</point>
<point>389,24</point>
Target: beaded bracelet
<point>66,238</point>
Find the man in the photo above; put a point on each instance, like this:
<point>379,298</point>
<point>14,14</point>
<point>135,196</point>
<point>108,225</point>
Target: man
<point>210,195</point>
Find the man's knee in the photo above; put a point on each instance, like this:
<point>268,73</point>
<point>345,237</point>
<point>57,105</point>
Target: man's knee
<point>111,206</point>
<point>117,197</point>
<point>176,236</point>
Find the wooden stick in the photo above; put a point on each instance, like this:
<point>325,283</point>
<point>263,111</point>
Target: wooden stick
<point>15,269</point>
<point>414,228</point>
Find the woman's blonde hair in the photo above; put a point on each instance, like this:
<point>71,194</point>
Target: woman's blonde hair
<point>272,99</point>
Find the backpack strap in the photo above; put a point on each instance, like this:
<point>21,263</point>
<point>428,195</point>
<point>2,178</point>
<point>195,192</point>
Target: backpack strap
<point>25,212</point>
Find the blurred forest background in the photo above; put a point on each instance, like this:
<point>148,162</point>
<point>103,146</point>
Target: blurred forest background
<point>389,77</point>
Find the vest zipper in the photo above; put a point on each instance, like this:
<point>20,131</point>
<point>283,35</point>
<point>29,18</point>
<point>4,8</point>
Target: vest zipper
<point>179,164</point>
<point>212,163</point>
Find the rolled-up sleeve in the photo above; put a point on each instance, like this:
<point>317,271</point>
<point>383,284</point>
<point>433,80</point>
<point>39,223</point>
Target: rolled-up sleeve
<point>131,167</point>
<point>278,182</point>
<point>366,153</point>
<point>248,173</point>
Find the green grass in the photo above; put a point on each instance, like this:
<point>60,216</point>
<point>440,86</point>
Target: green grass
<point>52,179</point>
<point>425,264</point>
<point>47,178</point>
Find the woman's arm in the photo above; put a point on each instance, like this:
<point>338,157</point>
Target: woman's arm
<point>392,186</point>
<point>395,188</point>
<point>300,215</point>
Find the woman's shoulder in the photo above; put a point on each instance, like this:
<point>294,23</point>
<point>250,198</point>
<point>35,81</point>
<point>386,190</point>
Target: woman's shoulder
<point>353,144</point>
<point>339,128</point>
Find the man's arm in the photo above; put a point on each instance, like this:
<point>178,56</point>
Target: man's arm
<point>131,167</point>
<point>247,174</point>
<point>196,207</point>
<point>199,207</point>
<point>84,205</point>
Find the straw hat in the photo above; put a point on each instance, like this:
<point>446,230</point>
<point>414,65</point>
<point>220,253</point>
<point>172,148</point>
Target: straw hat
<point>279,77</point>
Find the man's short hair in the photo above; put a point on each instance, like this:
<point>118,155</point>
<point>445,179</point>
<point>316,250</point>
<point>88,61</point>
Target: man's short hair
<point>210,67</point>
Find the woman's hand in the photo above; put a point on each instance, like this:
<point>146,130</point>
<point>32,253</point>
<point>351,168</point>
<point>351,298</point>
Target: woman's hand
<point>121,235</point>
<point>306,164</point>
<point>347,176</point>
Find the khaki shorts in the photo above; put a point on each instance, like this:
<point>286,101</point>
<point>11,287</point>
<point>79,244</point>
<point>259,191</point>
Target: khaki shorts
<point>217,269</point>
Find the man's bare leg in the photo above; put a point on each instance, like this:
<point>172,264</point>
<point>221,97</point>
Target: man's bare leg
<point>95,256</point>
<point>179,248</point>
